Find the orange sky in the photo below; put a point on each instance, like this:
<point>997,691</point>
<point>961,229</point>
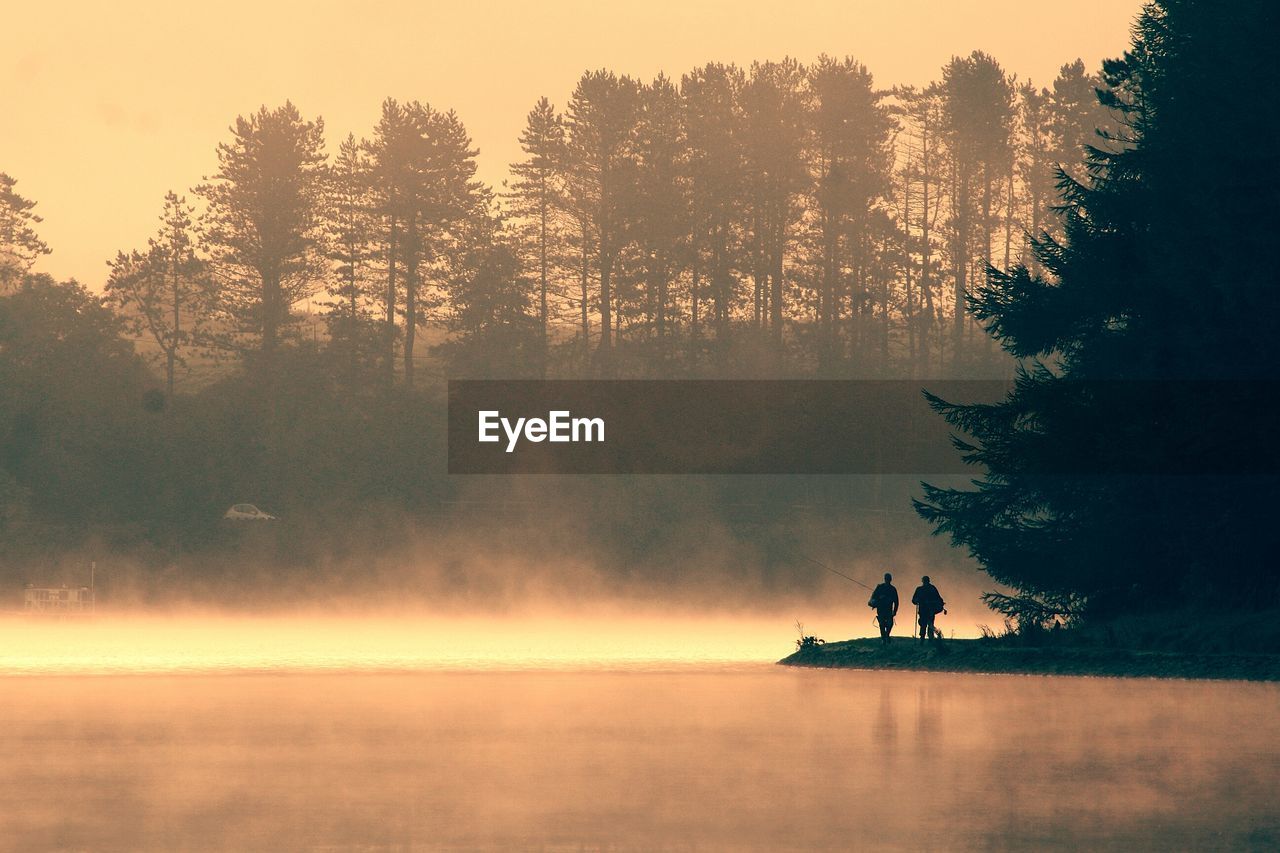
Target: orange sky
<point>104,108</point>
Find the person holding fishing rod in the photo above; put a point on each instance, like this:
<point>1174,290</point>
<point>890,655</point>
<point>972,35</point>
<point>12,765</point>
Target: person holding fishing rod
<point>884,598</point>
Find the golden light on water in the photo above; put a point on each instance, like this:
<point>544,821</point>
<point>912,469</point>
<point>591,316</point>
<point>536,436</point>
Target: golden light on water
<point>209,643</point>
<point>741,758</point>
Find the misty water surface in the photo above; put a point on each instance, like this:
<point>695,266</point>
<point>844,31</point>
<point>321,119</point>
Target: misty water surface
<point>646,754</point>
<point>219,643</point>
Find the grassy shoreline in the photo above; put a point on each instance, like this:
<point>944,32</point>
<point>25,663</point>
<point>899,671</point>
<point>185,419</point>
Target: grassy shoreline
<point>994,656</point>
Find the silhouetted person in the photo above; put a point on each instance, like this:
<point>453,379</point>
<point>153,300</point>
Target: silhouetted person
<point>884,598</point>
<point>929,604</point>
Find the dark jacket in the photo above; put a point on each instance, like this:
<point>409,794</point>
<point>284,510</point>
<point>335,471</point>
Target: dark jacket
<point>928,599</point>
<point>884,598</point>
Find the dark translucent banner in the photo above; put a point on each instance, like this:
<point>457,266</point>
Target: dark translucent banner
<point>705,427</point>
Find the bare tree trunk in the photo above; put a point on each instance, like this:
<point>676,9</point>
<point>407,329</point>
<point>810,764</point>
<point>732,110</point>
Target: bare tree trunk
<point>172,352</point>
<point>694,328</point>
<point>909,311</point>
<point>586,317</point>
<point>987,201</point>
<point>776,290</point>
<point>961,265</point>
<point>270,321</point>
<point>410,297</point>
<point>542,289</point>
<point>758,273</point>
<point>353,308</point>
<point>884,321</point>
<point>720,287</point>
<point>1008,222</point>
<point>663,286</point>
<point>606,310</point>
<point>390,327</point>
<point>827,294</point>
<point>926,256</point>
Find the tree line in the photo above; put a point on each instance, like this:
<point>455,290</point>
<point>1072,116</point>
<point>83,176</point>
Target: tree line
<point>780,219</point>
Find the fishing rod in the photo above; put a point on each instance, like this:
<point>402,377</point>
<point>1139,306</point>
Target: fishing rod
<point>833,571</point>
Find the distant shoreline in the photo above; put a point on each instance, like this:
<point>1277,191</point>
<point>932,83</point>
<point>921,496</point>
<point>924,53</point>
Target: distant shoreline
<point>996,657</point>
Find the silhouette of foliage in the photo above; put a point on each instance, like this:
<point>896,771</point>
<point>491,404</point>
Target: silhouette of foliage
<point>1162,273</point>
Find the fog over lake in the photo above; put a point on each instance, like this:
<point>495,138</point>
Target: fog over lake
<point>249,740</point>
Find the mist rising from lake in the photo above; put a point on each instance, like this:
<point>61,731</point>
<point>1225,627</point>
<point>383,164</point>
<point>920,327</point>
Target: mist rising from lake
<point>630,748</point>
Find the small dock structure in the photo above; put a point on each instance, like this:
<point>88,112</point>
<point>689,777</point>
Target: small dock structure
<point>62,600</point>
<point>57,600</point>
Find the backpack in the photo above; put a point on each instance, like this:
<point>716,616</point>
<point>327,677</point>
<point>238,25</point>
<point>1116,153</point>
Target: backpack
<point>929,600</point>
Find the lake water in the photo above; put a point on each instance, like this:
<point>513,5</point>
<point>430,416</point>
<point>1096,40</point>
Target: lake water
<point>220,749</point>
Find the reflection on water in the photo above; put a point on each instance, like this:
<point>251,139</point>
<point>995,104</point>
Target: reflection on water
<point>739,757</point>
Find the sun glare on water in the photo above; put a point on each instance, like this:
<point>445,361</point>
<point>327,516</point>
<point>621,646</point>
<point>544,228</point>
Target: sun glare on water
<point>169,644</point>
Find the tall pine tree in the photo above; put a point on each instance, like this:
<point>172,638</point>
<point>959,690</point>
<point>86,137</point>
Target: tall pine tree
<point>537,199</point>
<point>20,246</point>
<point>264,220</point>
<point>166,293</point>
<point>1132,463</point>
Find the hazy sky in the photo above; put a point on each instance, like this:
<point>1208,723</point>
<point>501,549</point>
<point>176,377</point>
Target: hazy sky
<point>105,107</point>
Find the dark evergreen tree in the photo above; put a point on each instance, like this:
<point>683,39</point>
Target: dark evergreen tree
<point>1133,462</point>
<point>1078,119</point>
